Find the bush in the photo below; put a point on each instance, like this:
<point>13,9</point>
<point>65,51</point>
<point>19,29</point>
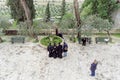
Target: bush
<point>73,39</point>
<point>50,39</point>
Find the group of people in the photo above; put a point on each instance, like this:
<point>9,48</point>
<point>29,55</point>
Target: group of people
<point>85,40</point>
<point>61,51</point>
<point>57,50</point>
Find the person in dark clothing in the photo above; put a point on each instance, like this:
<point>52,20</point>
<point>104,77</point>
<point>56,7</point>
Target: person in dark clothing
<point>65,49</point>
<point>60,35</point>
<point>59,51</point>
<point>93,67</point>
<point>55,51</point>
<point>50,49</point>
<point>84,42</point>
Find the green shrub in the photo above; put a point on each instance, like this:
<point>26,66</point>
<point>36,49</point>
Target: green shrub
<point>50,39</point>
<point>73,39</point>
<point>116,35</point>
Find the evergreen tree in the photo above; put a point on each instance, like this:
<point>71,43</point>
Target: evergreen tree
<point>63,9</point>
<point>17,11</point>
<point>47,13</point>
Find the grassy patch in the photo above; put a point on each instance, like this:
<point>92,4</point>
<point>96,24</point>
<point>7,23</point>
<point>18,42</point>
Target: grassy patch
<point>73,39</point>
<point>100,34</point>
<point>116,35</point>
<point>50,39</point>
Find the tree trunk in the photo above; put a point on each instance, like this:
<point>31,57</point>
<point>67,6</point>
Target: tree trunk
<point>28,16</point>
<point>1,40</point>
<point>76,7</point>
<point>108,33</point>
<point>56,31</point>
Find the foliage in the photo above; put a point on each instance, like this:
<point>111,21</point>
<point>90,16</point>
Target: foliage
<point>67,21</point>
<point>86,30</point>
<point>73,39</point>
<point>101,24</point>
<point>36,27</point>
<point>50,39</point>
<point>116,35</point>
<point>40,9</point>
<point>103,8</point>
<point>94,22</point>
<point>4,23</point>
<point>17,11</point>
<point>63,8</point>
<point>47,13</point>
<point>14,25</point>
<point>86,11</point>
<point>23,29</point>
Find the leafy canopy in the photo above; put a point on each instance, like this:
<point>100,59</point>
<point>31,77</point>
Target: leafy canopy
<point>102,8</point>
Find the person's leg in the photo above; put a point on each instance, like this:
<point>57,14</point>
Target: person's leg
<point>65,54</point>
<point>93,73</point>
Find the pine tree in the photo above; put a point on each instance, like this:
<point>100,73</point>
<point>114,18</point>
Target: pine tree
<point>63,9</point>
<point>47,13</point>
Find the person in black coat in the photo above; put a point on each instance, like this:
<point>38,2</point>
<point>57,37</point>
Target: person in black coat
<point>59,51</point>
<point>55,50</point>
<point>50,50</point>
<point>93,67</point>
<point>83,41</point>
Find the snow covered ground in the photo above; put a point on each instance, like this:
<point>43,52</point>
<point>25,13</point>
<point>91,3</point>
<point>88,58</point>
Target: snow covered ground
<point>30,61</point>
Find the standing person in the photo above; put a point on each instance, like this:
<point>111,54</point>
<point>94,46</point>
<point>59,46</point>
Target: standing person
<point>60,50</point>
<point>55,50</point>
<point>84,42</point>
<point>50,49</point>
<point>93,67</point>
<point>65,49</point>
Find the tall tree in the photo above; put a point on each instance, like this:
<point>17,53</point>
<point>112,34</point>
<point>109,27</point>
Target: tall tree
<point>63,9</point>
<point>28,16</point>
<point>17,10</point>
<point>23,10</point>
<point>47,13</point>
<point>76,8</point>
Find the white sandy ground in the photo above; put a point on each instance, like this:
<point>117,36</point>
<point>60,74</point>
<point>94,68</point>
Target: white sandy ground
<point>30,61</point>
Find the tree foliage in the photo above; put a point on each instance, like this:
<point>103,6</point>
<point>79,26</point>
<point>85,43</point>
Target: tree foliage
<point>4,23</point>
<point>63,8</point>
<point>47,13</point>
<point>67,21</point>
<point>17,11</point>
<point>94,22</point>
<point>102,8</point>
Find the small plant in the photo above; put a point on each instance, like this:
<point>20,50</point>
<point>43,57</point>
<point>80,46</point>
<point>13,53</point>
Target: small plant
<point>50,39</point>
<point>73,39</point>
